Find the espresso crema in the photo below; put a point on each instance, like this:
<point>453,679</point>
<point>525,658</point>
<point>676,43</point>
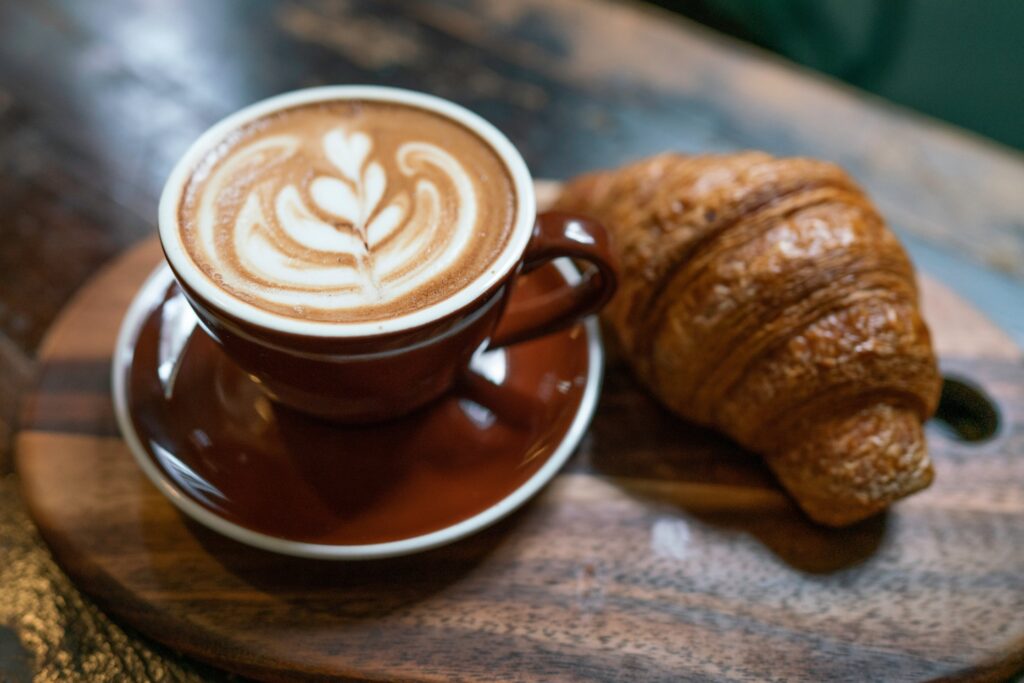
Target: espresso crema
<point>347,211</point>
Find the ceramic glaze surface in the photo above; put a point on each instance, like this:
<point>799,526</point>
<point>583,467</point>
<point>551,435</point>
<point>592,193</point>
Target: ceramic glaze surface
<point>277,472</point>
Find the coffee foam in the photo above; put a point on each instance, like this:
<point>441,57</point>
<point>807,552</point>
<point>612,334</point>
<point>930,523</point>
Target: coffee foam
<point>347,211</point>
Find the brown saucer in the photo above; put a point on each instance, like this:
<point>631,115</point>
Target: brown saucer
<point>205,434</point>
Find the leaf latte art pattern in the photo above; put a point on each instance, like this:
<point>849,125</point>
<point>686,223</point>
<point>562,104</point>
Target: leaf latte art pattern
<point>345,224</point>
<point>347,246</point>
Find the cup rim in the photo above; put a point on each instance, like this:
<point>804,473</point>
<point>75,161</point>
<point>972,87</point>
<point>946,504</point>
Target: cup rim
<point>219,299</point>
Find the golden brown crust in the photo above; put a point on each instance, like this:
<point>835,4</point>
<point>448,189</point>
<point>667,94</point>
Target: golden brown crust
<point>767,298</point>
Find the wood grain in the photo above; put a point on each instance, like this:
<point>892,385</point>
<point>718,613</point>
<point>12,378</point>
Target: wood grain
<point>97,101</point>
<point>662,552</point>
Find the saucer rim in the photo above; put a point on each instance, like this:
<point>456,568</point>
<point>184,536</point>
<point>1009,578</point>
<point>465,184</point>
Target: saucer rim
<point>142,304</point>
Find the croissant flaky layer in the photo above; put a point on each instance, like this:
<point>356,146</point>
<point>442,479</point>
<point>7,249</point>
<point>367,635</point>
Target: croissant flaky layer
<point>767,298</point>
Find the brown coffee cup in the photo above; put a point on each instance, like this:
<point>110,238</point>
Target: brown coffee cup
<point>369,371</point>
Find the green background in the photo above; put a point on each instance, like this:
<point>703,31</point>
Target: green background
<point>958,60</point>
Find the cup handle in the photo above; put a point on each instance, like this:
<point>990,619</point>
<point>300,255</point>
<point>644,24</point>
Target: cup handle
<point>555,235</point>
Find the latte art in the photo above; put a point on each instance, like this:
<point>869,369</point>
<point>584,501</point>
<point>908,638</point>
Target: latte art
<point>347,211</point>
<point>340,245</point>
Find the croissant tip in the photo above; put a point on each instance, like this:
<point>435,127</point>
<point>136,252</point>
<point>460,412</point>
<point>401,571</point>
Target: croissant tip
<point>853,466</point>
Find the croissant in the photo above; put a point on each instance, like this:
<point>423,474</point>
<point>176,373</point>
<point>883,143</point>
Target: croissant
<point>766,298</point>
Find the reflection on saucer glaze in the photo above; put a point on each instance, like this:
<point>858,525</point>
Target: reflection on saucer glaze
<point>215,437</point>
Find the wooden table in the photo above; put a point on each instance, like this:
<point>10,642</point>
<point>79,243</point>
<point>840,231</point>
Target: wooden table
<point>97,100</point>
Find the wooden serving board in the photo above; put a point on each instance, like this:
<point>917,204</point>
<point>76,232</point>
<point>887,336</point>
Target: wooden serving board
<point>662,552</point>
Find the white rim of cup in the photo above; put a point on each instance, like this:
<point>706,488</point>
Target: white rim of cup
<point>150,295</point>
<point>195,278</point>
